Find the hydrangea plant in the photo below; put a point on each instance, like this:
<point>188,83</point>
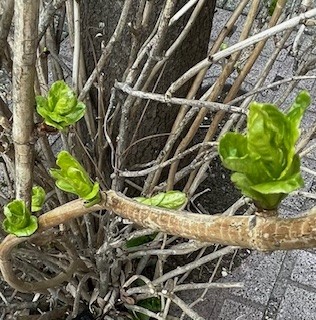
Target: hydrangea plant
<point>265,164</point>
<point>18,219</point>
<point>60,108</point>
<point>73,178</point>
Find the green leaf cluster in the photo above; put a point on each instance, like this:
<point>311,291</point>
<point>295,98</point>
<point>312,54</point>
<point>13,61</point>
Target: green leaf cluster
<point>152,304</point>
<point>73,178</point>
<point>38,198</point>
<point>18,219</point>
<point>60,108</point>
<point>264,159</point>
<point>170,200</point>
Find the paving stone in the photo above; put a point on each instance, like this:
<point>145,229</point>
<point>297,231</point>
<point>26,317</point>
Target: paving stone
<point>296,203</point>
<point>308,84</point>
<point>305,269</point>
<point>281,284</point>
<point>288,212</point>
<point>297,304</point>
<point>232,4</point>
<point>257,69</point>
<point>259,273</point>
<point>286,67</point>
<point>220,18</point>
<point>238,311</point>
<point>268,48</point>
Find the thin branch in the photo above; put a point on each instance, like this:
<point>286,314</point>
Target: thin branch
<point>142,310</point>
<point>185,308</point>
<point>210,106</point>
<point>179,156</point>
<point>207,62</point>
<point>182,11</point>
<point>76,56</point>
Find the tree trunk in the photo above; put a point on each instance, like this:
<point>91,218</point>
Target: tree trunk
<point>157,119</point>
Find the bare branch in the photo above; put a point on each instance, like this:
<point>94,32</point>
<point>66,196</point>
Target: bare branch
<point>210,106</point>
<point>239,46</point>
<point>26,18</point>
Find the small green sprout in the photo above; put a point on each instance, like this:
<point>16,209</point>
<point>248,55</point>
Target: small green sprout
<point>38,198</point>
<point>19,220</point>
<point>61,108</point>
<point>170,200</point>
<point>152,304</point>
<point>272,6</point>
<point>223,46</point>
<point>73,178</point>
<point>266,165</point>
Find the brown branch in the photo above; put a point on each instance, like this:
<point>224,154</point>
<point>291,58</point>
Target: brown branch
<point>255,232</point>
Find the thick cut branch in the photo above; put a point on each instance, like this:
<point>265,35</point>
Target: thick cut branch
<point>26,20</point>
<point>256,232</point>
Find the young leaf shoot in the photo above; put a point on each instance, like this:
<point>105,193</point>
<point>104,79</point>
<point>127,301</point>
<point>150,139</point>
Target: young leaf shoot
<point>60,108</point>
<point>18,219</point>
<point>265,164</point>
<point>73,178</point>
<point>170,200</point>
<point>38,198</point>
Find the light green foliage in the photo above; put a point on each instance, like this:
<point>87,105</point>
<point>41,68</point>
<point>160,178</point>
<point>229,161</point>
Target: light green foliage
<point>38,198</point>
<point>264,159</point>
<point>19,220</point>
<point>152,304</point>
<point>73,178</point>
<point>60,108</point>
<point>272,6</point>
<point>170,200</point>
<point>135,242</point>
<point>223,46</point>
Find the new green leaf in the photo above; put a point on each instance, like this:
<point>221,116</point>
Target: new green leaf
<point>266,167</point>
<point>171,200</point>
<point>18,219</point>
<point>38,198</point>
<point>60,108</point>
<point>73,178</point>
